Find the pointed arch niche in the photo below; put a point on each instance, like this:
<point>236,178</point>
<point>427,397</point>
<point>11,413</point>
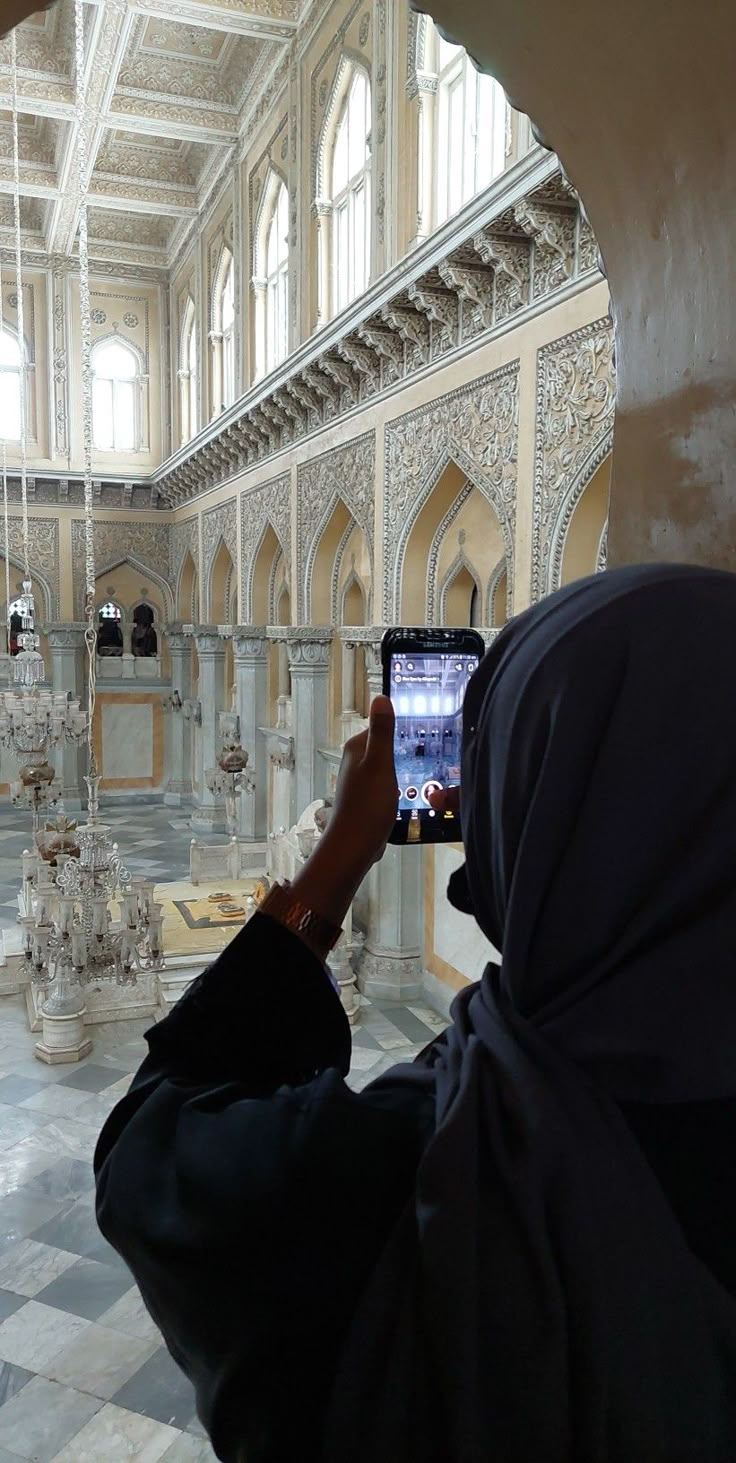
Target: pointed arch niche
<point>452,548</point>
<point>223,581</point>
<point>579,547</point>
<point>187,594</point>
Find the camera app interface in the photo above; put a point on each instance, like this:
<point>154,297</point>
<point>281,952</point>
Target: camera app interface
<point>427,692</point>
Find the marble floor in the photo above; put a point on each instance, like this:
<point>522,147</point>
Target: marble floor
<point>84,1374</point>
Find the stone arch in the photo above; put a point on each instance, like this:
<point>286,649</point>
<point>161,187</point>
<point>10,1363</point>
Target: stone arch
<point>133,562</point>
<point>259,580</point>
<point>334,528</point>
<point>450,487</point>
<point>218,583</point>
<point>187,590</point>
<point>39,581</point>
<point>578,526</point>
<point>459,590</point>
<point>497,598</point>
<point>353,609</point>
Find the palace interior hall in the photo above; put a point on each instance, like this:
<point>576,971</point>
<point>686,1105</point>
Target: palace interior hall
<point>303,334</point>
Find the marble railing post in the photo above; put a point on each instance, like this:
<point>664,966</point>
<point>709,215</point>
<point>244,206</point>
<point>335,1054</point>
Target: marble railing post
<point>177,752</point>
<point>250,656</point>
<point>67,651</point>
<point>209,816</point>
<point>391,963</point>
<point>309,662</point>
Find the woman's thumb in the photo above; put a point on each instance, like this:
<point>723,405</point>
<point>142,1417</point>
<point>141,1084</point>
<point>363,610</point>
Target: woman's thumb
<point>380,730</point>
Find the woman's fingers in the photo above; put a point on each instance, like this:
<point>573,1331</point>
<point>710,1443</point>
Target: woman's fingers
<point>447,800</point>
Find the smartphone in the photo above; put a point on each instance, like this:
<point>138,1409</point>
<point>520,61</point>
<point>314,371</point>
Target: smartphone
<point>425,673</point>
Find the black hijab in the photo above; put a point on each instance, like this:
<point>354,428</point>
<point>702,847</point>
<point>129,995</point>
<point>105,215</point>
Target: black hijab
<point>539,1302</point>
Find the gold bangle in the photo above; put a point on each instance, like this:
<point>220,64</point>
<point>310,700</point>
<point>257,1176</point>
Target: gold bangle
<point>316,932</point>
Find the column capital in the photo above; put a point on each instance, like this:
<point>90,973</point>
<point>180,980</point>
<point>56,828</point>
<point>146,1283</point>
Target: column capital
<point>206,638</point>
<point>250,642</point>
<point>309,646</point>
<point>65,634</point>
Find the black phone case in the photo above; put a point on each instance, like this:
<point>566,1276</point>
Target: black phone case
<point>424,640</point>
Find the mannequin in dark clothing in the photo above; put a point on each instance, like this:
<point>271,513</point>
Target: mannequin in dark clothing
<point>528,1232</point>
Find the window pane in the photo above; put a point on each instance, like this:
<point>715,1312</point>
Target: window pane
<point>102,413</point>
<point>357,128</point>
<point>490,141</point>
<point>228,299</point>
<point>124,415</point>
<point>9,349</point>
<point>283,225</point>
<point>192,353</point>
<point>359,241</point>
<point>446,54</point>
<point>283,308</point>
<point>340,157</point>
<point>115,360</point>
<point>10,405</point>
<point>342,257</point>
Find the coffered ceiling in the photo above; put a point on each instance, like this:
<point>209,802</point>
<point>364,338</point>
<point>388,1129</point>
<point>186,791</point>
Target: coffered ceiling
<point>170,87</point>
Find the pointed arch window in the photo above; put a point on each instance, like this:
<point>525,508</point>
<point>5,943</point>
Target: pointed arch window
<point>115,397</point>
<point>188,375</point>
<point>11,371</point>
<point>223,334</point>
<point>271,277</point>
<point>350,192</point>
<point>277,281</point>
<point>466,134</point>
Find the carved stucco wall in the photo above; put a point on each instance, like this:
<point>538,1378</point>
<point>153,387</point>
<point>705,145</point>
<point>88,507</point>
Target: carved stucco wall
<point>183,539</point>
<point>574,432</point>
<point>347,473</point>
<point>268,504</point>
<point>219,523</point>
<point>44,559</point>
<point>477,428</point>
<point>144,545</point>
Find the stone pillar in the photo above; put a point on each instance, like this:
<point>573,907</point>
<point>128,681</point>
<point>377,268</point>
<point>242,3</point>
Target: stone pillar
<point>67,651</point>
<point>209,816</point>
<point>309,662</point>
<point>177,752</point>
<point>391,963</point>
<point>250,654</point>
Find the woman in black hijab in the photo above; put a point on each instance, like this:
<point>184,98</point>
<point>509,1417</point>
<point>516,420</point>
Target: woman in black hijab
<point>518,1249</point>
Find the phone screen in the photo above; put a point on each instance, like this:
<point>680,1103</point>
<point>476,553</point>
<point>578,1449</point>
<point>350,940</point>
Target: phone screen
<point>427,691</point>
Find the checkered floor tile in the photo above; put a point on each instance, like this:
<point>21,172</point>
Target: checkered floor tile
<point>84,1374</point>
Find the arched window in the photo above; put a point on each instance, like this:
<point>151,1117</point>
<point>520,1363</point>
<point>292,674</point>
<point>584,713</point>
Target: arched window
<point>144,640</point>
<point>188,378</point>
<point>471,124</point>
<point>223,334</point>
<point>10,385</point>
<point>350,194</point>
<point>277,281</point>
<point>115,405</point>
<point>109,629</point>
<point>271,276</point>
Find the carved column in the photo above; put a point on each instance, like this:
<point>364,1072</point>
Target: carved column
<point>250,654</point>
<point>209,816</point>
<point>178,755</point>
<point>309,662</point>
<point>392,902</point>
<point>67,651</point>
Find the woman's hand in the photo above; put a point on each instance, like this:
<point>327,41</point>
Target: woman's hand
<point>363,815</point>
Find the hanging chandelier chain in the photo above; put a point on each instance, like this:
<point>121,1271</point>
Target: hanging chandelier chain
<point>90,634</point>
<point>19,291</point>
